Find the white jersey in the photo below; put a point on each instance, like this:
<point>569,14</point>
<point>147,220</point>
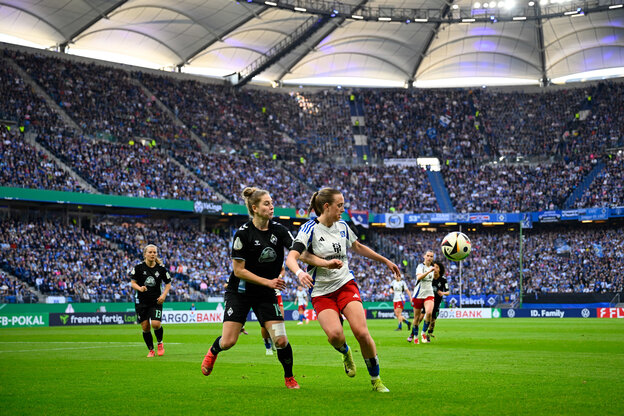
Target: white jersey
<point>423,288</point>
<point>398,287</point>
<point>302,297</point>
<point>327,243</point>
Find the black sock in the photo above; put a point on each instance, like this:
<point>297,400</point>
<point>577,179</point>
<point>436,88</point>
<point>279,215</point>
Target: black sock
<point>285,356</point>
<point>159,334</point>
<point>432,327</point>
<point>216,348</point>
<point>149,341</point>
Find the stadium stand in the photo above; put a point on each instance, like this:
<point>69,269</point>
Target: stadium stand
<point>544,145</point>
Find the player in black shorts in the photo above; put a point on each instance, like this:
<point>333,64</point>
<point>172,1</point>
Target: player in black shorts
<point>257,257</point>
<point>440,289</point>
<point>146,279</point>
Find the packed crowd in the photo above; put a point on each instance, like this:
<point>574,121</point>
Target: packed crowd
<point>229,174</point>
<point>607,189</point>
<point>201,257</point>
<point>127,169</point>
<point>246,121</point>
<point>511,187</point>
<point>574,261</point>
<point>90,264</point>
<point>67,260</point>
<point>373,188</point>
<point>277,140</point>
<point>104,101</point>
<point>15,291</point>
<point>24,166</point>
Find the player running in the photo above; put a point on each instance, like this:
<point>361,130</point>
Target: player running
<point>334,291</point>
<point>397,289</point>
<point>302,303</point>
<point>146,279</point>
<point>423,297</point>
<point>440,289</point>
<point>257,259</point>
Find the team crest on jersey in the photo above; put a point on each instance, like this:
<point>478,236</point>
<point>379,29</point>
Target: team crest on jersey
<point>273,239</point>
<point>238,244</point>
<point>268,255</point>
<point>343,234</point>
<point>230,312</point>
<point>150,281</point>
<point>156,274</point>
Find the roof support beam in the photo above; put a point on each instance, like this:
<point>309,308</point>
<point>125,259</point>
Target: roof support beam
<point>93,21</point>
<point>282,48</point>
<point>544,81</point>
<point>220,36</point>
<point>432,35</point>
<point>335,25</point>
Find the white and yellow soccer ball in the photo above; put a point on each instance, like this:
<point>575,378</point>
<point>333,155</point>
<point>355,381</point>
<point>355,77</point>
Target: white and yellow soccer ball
<point>456,246</point>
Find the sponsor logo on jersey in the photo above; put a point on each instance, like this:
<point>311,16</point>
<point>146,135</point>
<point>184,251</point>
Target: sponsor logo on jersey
<point>238,244</point>
<point>150,281</point>
<point>268,255</point>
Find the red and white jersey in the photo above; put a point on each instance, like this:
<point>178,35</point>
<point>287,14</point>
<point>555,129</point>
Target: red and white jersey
<point>302,297</point>
<point>423,288</point>
<point>399,288</point>
<point>327,243</point>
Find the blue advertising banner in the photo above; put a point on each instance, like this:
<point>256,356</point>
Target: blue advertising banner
<point>478,301</point>
<point>549,313</point>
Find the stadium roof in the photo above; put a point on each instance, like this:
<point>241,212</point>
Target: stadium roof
<point>354,42</point>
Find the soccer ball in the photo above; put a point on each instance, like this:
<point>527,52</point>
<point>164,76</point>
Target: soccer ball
<point>456,246</point>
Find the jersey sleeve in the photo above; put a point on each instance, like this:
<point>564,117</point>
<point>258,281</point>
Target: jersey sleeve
<point>238,246</point>
<point>287,238</point>
<point>304,237</point>
<point>351,235</point>
<point>167,278</point>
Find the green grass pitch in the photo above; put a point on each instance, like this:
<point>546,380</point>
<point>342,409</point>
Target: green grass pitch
<point>473,367</point>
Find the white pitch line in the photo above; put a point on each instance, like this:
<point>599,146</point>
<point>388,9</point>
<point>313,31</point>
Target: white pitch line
<point>59,349</point>
<point>79,342</point>
<point>110,344</point>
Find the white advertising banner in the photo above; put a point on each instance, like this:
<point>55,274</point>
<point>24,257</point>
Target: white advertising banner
<point>465,313</point>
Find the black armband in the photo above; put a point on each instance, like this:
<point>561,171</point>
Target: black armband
<point>298,247</point>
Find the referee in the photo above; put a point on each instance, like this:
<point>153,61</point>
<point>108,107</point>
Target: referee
<point>146,279</point>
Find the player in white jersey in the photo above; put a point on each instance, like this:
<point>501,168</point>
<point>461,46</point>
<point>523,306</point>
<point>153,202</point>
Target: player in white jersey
<point>423,297</point>
<point>334,290</point>
<point>302,303</point>
<point>397,288</point>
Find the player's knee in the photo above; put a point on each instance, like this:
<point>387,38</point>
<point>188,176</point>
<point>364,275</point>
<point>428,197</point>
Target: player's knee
<point>335,337</point>
<point>281,342</point>
<point>361,335</point>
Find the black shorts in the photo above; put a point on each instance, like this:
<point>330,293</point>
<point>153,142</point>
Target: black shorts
<point>148,311</point>
<point>237,307</point>
<point>436,310</point>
